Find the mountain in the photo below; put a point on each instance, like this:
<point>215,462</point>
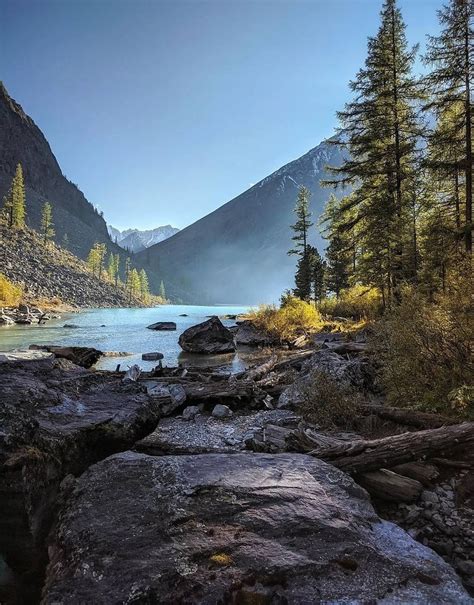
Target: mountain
<point>22,141</point>
<point>238,253</point>
<point>136,240</point>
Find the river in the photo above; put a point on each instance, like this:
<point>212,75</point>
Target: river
<point>124,330</point>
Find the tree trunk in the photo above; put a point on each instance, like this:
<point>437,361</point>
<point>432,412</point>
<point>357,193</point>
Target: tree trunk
<point>364,456</point>
<point>468,236</point>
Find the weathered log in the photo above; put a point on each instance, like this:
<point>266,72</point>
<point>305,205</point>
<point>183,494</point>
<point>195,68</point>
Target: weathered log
<point>261,370</point>
<point>223,392</point>
<point>390,486</point>
<point>421,420</point>
<point>132,374</point>
<point>423,472</point>
<point>362,456</point>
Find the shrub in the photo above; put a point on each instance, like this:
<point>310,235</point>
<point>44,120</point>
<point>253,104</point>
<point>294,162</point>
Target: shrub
<point>10,294</point>
<point>425,353</point>
<point>356,302</point>
<point>293,318</point>
<point>329,403</point>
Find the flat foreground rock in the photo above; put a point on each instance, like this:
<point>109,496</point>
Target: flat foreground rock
<point>234,528</point>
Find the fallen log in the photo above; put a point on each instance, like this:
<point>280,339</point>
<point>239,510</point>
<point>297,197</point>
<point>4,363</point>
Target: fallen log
<point>362,456</point>
<point>421,420</point>
<point>390,486</point>
<point>423,472</point>
<point>237,391</point>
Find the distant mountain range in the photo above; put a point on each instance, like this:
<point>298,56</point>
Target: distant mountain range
<point>238,253</point>
<point>136,240</point>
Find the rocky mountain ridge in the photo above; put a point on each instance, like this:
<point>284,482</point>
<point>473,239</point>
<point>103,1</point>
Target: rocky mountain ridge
<point>136,240</point>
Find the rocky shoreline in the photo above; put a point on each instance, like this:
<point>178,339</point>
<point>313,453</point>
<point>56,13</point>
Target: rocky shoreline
<point>25,315</point>
<point>196,485</point>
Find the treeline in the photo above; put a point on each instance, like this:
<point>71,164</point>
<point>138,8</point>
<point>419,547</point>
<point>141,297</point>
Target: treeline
<point>407,218</point>
<point>108,267</point>
<point>406,213</point>
<point>400,237</point>
<point>103,265</point>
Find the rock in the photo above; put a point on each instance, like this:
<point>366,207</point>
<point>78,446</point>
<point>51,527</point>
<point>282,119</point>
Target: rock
<point>72,326</point>
<point>209,337</point>
<point>6,321</point>
<point>247,334</point>
<point>56,418</point>
<point>430,497</point>
<point>25,356</point>
<point>152,356</point>
<point>234,528</point>
<point>190,412</point>
<point>357,372</point>
<point>208,434</point>
<point>183,315</point>
<point>81,356</point>
<point>466,567</point>
<point>162,325</point>
<point>170,397</point>
<point>222,411</point>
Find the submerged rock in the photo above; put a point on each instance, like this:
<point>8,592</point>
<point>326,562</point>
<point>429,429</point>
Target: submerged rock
<point>152,356</point>
<point>209,337</point>
<point>234,528</point>
<point>162,325</point>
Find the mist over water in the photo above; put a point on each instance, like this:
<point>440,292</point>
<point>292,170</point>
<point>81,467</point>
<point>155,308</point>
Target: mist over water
<point>124,330</point>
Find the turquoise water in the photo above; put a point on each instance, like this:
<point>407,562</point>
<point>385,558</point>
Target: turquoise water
<point>123,330</point>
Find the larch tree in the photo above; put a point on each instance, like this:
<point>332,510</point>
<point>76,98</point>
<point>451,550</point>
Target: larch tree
<point>14,203</point>
<point>380,129</point>
<point>450,83</point>
<point>300,238</point>
<point>144,286</point>
<point>162,290</point>
<point>47,226</point>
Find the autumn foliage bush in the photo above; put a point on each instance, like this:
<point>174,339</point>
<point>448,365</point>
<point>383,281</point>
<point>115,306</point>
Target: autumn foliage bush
<point>10,294</point>
<point>357,302</point>
<point>425,352</point>
<point>293,318</point>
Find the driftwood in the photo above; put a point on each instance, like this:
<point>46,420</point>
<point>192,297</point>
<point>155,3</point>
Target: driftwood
<point>390,486</point>
<point>362,456</point>
<point>421,420</point>
<point>223,392</point>
<point>132,374</point>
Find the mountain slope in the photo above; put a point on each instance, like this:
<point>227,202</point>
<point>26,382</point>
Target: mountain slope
<point>22,141</point>
<point>136,240</point>
<point>238,253</point>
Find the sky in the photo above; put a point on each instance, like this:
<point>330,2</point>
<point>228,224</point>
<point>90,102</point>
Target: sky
<point>162,111</point>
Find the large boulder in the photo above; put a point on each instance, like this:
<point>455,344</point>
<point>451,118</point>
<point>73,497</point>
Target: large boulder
<point>56,418</point>
<point>209,337</point>
<point>234,528</point>
<point>247,334</point>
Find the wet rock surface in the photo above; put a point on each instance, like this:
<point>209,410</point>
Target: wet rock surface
<point>233,528</point>
<point>209,337</point>
<point>85,357</point>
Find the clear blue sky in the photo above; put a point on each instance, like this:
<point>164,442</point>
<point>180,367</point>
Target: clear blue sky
<point>162,111</point>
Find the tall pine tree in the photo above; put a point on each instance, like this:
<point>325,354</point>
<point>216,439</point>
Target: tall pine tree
<point>450,82</point>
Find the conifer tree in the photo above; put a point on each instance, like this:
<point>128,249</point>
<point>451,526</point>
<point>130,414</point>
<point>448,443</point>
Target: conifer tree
<point>111,267</point>
<point>338,265</point>
<point>144,286</point>
<point>162,290</point>
<point>450,82</point>
<point>47,226</point>
<point>96,259</point>
<point>303,222</point>
<point>380,130</point>
<point>14,203</point>
<point>65,241</point>
<point>317,274</point>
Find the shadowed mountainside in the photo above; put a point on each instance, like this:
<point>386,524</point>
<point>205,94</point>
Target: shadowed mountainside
<point>238,253</point>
